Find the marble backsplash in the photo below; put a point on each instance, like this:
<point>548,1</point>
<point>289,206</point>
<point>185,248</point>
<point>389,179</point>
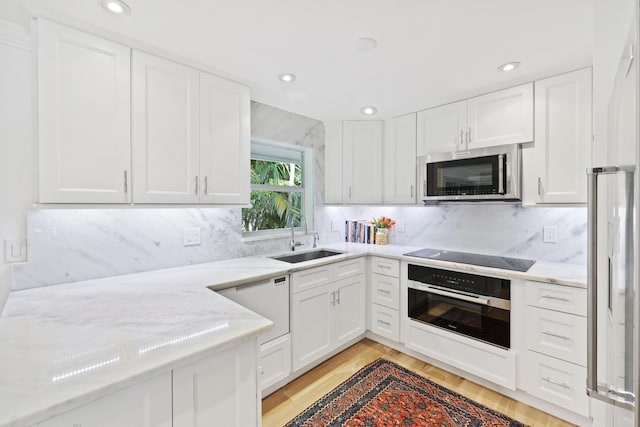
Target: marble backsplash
<point>80,244</point>
<point>67,245</point>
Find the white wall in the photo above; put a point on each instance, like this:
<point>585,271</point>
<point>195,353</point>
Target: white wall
<point>16,148</point>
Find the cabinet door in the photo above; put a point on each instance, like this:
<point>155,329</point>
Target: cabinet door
<point>442,129</point>
<point>399,160</point>
<point>348,319</point>
<point>225,141</point>
<point>84,117</point>
<point>555,166</point>
<point>311,311</point>
<point>502,117</point>
<point>333,163</point>
<point>220,390</point>
<point>165,131</point>
<point>143,405</point>
<point>361,162</point>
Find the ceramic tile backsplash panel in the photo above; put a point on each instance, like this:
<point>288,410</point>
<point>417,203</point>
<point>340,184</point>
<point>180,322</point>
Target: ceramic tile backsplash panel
<point>68,245</point>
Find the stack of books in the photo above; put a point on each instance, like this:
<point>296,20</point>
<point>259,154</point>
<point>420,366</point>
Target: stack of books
<point>359,231</point>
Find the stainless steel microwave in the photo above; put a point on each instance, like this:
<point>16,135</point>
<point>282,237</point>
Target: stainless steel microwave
<point>483,174</point>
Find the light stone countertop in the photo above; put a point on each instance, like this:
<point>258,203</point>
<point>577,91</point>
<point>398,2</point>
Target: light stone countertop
<point>66,345</point>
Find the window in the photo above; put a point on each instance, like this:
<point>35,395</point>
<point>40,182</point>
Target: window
<point>281,182</point>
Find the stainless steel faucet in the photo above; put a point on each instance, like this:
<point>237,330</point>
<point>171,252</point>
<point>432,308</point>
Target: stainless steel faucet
<point>316,237</point>
<point>304,221</point>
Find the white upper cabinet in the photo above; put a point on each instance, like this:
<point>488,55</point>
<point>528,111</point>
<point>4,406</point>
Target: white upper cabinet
<point>554,167</point>
<point>191,135</point>
<point>84,117</point>
<point>399,160</point>
<point>497,118</point>
<point>225,141</point>
<point>333,163</point>
<point>361,162</point>
<point>442,129</point>
<point>502,117</point>
<point>165,131</point>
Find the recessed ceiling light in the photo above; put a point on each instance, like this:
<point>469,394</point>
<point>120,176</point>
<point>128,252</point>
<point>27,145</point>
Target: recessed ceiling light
<point>509,66</point>
<point>117,7</point>
<point>366,44</point>
<point>368,110</point>
<point>287,77</point>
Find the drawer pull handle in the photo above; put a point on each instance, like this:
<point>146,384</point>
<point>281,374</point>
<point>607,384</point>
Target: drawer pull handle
<point>562,337</point>
<point>384,291</point>
<point>384,266</point>
<point>550,381</point>
<point>546,296</point>
<point>384,323</point>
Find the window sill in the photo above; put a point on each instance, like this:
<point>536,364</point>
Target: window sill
<point>272,235</point>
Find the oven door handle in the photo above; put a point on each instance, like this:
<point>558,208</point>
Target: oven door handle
<point>455,295</point>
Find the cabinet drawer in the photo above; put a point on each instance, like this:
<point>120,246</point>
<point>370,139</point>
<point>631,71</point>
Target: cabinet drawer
<point>385,322</point>
<point>311,278</point>
<point>350,268</point>
<point>275,361</point>
<point>486,361</point>
<point>389,267</point>
<point>557,297</point>
<point>556,381</point>
<point>557,334</point>
<point>385,291</point>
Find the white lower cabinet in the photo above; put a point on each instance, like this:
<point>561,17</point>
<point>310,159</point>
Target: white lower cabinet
<point>556,381</point>
<point>486,361</point>
<point>385,298</point>
<point>556,341</point>
<point>147,404</point>
<point>221,389</point>
<point>326,316</point>
<point>385,322</point>
<point>275,361</point>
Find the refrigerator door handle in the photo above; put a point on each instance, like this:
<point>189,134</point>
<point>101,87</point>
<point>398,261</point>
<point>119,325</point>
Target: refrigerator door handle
<point>604,392</point>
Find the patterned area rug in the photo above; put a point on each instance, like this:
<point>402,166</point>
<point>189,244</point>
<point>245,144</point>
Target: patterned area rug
<point>385,394</point>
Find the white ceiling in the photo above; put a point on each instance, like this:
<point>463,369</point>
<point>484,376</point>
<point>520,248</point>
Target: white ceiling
<point>429,51</point>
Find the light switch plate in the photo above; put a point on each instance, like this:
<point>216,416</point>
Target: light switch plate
<point>550,234</point>
<point>15,250</point>
<point>191,237</point>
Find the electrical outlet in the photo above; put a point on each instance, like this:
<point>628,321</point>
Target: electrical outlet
<point>15,250</point>
<point>550,234</point>
<point>191,237</point>
<point>334,225</point>
<point>401,225</point>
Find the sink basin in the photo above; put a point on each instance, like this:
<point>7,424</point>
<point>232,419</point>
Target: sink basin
<point>307,256</point>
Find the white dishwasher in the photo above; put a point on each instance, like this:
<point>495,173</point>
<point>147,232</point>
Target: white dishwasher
<point>269,299</point>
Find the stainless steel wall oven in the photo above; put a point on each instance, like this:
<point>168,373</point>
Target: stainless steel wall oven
<point>476,306</point>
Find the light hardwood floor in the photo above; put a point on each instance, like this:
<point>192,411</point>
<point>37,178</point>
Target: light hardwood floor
<point>289,401</point>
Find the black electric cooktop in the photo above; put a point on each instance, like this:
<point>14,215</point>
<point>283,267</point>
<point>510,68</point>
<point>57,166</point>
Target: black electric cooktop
<point>515,264</point>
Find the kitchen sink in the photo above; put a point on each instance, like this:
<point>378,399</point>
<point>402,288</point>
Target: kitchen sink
<point>306,256</point>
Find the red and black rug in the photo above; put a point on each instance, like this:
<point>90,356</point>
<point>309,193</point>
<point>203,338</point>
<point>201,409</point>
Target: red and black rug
<point>385,394</point>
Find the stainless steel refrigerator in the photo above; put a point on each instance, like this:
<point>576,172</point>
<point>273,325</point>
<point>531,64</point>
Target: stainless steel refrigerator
<point>613,284</point>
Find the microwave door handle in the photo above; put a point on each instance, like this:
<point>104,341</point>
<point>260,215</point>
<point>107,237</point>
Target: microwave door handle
<point>501,174</point>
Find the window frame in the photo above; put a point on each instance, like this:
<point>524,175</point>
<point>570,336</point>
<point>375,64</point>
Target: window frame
<point>306,188</point>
